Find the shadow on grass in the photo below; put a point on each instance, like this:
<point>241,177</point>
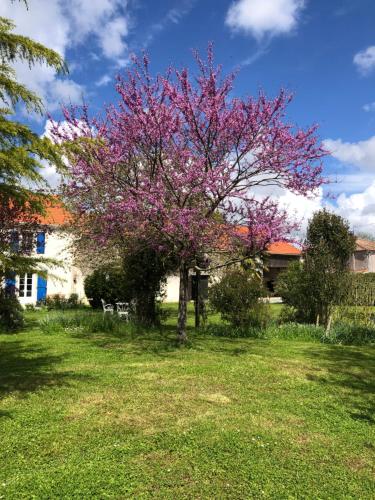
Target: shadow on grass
<point>25,369</point>
<point>352,369</point>
<point>163,341</point>
<point>135,340</point>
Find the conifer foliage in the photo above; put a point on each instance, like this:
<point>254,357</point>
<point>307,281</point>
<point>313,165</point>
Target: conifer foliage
<point>22,151</point>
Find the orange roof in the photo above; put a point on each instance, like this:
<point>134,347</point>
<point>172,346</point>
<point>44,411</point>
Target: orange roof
<point>277,248</point>
<point>283,248</point>
<point>55,214</point>
<point>366,245</point>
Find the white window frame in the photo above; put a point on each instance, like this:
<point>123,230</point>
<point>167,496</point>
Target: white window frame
<point>25,285</point>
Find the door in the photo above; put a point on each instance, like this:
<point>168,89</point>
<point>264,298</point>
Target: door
<point>41,291</point>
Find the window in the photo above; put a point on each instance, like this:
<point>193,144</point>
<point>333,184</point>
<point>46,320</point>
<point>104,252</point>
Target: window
<point>15,242</point>
<point>28,238</point>
<point>26,285</point>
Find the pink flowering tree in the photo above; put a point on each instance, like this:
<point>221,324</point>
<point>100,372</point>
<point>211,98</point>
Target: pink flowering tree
<point>179,164</point>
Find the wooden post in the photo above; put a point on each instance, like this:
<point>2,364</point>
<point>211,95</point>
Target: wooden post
<point>197,299</point>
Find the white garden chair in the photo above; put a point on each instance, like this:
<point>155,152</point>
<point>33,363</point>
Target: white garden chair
<point>107,308</point>
<point>122,309</point>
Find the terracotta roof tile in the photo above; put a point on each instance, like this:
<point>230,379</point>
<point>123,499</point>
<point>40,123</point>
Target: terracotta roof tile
<point>283,248</point>
<point>55,214</point>
<point>366,245</point>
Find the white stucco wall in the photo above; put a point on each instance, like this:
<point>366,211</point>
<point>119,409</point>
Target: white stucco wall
<point>371,263</point>
<point>64,279</point>
<point>172,289</point>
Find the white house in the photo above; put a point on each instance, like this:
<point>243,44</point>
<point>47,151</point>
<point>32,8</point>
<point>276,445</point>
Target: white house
<point>64,279</point>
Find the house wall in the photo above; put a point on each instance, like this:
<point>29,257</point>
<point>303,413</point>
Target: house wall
<point>360,261</point>
<point>64,279</point>
<point>172,289</point>
<point>371,263</point>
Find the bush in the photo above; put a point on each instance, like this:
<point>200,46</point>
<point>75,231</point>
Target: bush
<point>362,292</point>
<point>292,287</point>
<point>288,314</point>
<point>322,281</point>
<point>107,283</point>
<point>11,313</point>
<point>60,302</point>
<point>237,297</point>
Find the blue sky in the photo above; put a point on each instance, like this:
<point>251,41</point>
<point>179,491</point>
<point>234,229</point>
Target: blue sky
<point>323,51</point>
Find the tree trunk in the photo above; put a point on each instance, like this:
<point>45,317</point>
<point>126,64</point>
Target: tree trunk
<point>328,327</point>
<point>146,309</point>
<point>182,303</point>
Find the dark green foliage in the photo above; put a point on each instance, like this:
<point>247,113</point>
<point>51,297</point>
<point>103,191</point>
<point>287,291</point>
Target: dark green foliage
<point>237,298</point>
<point>22,151</point>
<point>145,273</point>
<point>11,318</point>
<point>58,301</point>
<point>362,292</point>
<point>293,287</point>
<point>107,283</point>
<point>313,288</point>
<point>351,334</point>
<point>330,234</point>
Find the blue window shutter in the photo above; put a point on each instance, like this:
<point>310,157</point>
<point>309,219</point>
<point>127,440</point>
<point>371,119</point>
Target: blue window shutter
<point>40,242</point>
<point>41,290</point>
<point>10,283</point>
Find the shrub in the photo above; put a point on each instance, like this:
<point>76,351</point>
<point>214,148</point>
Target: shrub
<point>60,302</point>
<point>288,314</point>
<point>11,313</point>
<point>107,283</point>
<point>237,297</point>
<point>362,292</point>
<point>322,281</point>
<point>292,287</point>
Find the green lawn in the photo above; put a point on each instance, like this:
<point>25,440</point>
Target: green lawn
<point>117,416</point>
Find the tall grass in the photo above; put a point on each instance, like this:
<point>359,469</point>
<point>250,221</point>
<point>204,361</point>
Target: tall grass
<point>87,321</point>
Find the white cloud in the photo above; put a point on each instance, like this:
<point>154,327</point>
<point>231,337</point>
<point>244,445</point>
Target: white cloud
<point>104,80</point>
<point>64,24</point>
<point>64,91</point>
<point>112,38</point>
<point>300,208</point>
<point>264,17</point>
<point>359,206</point>
<point>369,107</point>
<point>360,154</point>
<point>359,209</point>
<point>365,60</point>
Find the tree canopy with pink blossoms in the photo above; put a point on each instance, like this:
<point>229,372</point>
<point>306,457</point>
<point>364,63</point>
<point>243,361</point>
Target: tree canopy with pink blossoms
<point>179,163</point>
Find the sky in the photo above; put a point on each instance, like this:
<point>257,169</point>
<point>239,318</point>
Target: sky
<point>321,50</point>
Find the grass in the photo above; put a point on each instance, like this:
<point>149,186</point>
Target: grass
<point>124,414</point>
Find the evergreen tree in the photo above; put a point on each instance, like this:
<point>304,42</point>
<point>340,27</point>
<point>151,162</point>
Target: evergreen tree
<point>22,151</point>
<point>323,280</point>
